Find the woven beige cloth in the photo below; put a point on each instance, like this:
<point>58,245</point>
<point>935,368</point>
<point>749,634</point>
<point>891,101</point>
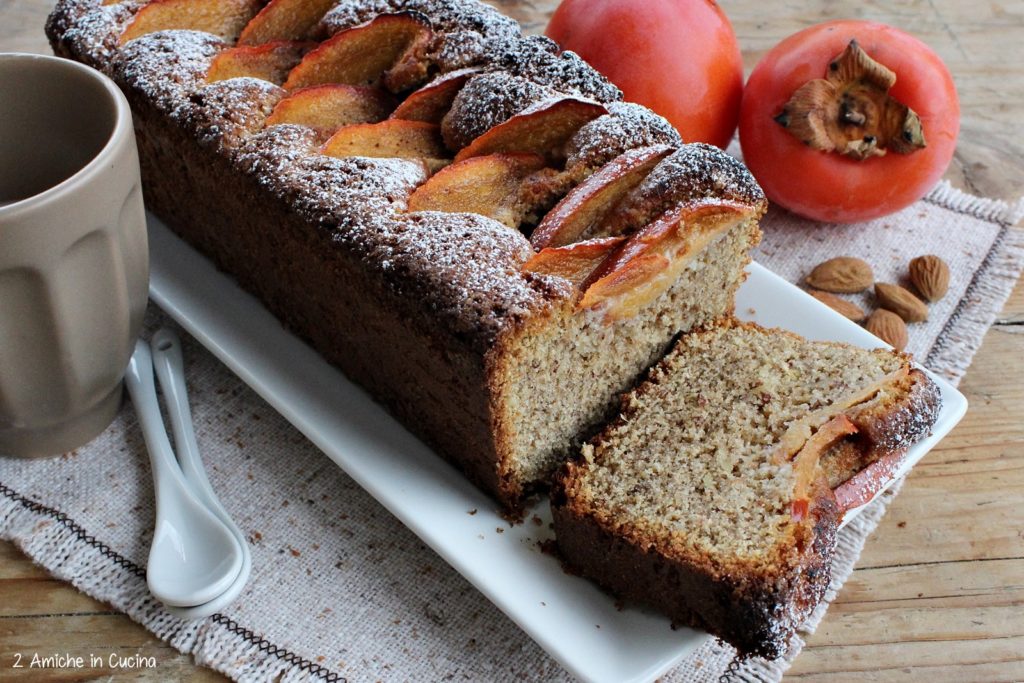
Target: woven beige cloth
<point>340,590</point>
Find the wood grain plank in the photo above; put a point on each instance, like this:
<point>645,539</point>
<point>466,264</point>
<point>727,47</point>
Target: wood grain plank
<point>976,661</point>
<point>21,26</point>
<point>993,583</point>
<point>43,596</point>
<point>877,627</point>
<point>14,566</point>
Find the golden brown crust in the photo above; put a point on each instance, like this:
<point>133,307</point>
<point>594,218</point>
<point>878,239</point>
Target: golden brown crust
<point>906,417</point>
<point>755,611</point>
<point>756,606</point>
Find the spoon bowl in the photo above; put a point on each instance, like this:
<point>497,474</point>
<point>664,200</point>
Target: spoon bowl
<point>170,373</point>
<point>221,601</point>
<point>194,557</point>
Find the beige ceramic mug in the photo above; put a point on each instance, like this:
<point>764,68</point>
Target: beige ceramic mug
<point>74,265</point>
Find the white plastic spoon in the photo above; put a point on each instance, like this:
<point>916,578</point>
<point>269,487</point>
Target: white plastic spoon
<point>170,372</point>
<point>194,557</point>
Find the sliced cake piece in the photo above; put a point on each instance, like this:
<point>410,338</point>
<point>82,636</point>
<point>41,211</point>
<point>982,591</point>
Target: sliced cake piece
<point>587,356</point>
<point>652,259</point>
<point>707,498</point>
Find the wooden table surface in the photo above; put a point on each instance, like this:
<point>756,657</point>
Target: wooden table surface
<point>938,594</point>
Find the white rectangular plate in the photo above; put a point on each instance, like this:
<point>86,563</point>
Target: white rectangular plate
<point>557,610</point>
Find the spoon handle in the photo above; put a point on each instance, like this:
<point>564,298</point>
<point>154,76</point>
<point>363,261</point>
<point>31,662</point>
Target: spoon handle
<point>139,381</point>
<point>170,371</point>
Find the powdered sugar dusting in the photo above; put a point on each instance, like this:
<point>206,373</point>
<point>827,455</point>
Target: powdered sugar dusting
<point>696,171</point>
<point>285,160</point>
<point>445,15</point>
<point>463,267</point>
<point>225,112</point>
<point>322,185</point>
<point>166,67</point>
<point>270,156</point>
<point>93,31</point>
<point>467,31</point>
<point>66,14</point>
<point>538,58</point>
<point>474,34</point>
<point>486,101</point>
<point>461,49</point>
<point>271,152</point>
<point>626,126</point>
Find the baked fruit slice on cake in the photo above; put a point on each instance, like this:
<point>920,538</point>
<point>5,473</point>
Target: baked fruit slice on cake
<point>710,497</point>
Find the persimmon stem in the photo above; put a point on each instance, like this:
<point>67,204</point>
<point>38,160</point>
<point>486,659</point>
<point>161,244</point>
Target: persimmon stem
<point>851,112</point>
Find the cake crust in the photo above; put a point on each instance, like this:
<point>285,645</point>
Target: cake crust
<point>755,612</point>
<point>755,602</point>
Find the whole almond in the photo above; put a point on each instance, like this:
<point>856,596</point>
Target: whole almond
<point>930,276</point>
<point>845,308</point>
<point>888,327</point>
<point>901,302</point>
<point>843,274</point>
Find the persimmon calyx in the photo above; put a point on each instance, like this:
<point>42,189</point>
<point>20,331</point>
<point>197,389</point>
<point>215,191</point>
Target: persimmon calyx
<point>850,111</point>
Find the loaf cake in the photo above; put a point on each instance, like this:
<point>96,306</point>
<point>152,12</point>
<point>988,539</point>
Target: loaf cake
<point>476,228</point>
<point>470,223</point>
<point>716,495</point>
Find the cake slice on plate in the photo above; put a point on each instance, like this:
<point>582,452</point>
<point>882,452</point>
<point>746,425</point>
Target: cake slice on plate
<point>717,493</point>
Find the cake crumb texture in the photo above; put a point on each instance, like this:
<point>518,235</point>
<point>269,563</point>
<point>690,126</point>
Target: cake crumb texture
<point>687,485</point>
